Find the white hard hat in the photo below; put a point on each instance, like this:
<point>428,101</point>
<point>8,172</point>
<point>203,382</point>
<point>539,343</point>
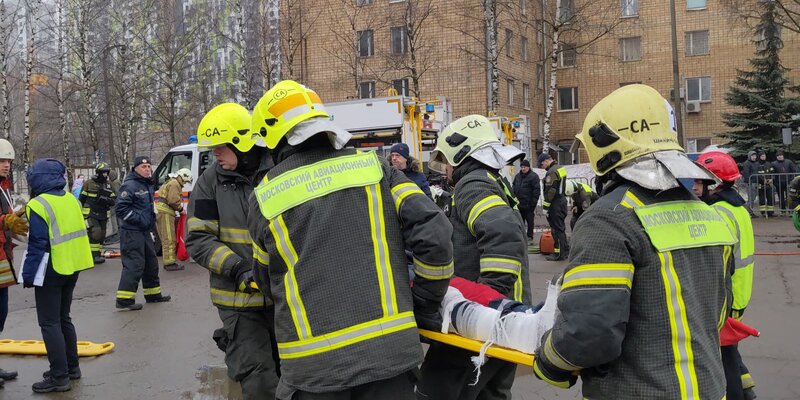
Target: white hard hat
<point>6,150</point>
<point>185,174</point>
<point>571,188</point>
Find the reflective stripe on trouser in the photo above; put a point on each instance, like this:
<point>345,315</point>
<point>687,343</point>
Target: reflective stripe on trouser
<point>679,329</point>
<point>139,262</point>
<point>165,223</point>
<point>96,230</point>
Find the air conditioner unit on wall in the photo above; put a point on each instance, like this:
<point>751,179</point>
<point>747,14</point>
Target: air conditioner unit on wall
<point>692,106</point>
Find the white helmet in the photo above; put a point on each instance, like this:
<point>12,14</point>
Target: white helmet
<point>571,188</point>
<point>185,174</point>
<point>6,150</point>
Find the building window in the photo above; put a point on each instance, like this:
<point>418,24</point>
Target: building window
<point>365,44</point>
<point>695,4</point>
<point>567,11</point>
<point>526,95</point>
<point>630,49</point>
<point>567,99</point>
<point>509,42</point>
<point>363,2</point>
<point>568,57</point>
<point>399,40</point>
<point>366,90</point>
<point>697,145</point>
<point>698,89</point>
<point>629,8</point>
<point>696,43</point>
<point>540,76</point>
<point>523,43</point>
<point>510,91</point>
<point>401,85</point>
<point>523,7</point>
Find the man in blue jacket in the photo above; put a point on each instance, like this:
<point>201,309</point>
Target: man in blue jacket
<point>58,249</point>
<point>136,219</point>
<point>401,159</point>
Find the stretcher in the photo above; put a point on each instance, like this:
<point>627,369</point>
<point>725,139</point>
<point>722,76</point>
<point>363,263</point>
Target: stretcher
<point>36,348</point>
<point>500,353</point>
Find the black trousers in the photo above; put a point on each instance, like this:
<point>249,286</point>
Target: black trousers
<point>555,217</point>
<point>766,200</point>
<point>731,364</point>
<point>53,301</point>
<point>139,262</point>
<point>400,387</point>
<point>783,194</point>
<point>448,372</point>
<point>527,215</point>
<point>251,352</point>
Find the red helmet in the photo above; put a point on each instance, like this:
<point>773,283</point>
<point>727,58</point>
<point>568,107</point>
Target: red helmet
<point>720,164</point>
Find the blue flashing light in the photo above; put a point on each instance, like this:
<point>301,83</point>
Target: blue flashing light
<point>517,124</point>
<point>193,139</point>
<point>429,108</point>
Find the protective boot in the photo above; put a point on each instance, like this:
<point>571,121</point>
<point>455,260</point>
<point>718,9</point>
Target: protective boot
<point>52,385</point>
<point>128,304</point>
<point>73,374</point>
<point>7,375</point>
<point>98,259</point>
<point>157,298</point>
<point>173,267</point>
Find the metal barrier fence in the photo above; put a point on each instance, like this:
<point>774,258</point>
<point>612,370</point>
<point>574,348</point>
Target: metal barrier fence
<point>768,194</point>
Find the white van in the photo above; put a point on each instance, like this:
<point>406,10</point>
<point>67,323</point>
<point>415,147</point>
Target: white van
<point>185,156</point>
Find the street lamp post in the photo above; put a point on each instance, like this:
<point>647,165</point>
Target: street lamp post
<point>676,77</point>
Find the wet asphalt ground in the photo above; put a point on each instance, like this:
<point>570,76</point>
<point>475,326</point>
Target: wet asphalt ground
<point>165,351</point>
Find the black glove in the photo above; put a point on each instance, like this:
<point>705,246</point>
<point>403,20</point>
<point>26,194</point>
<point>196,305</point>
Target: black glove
<point>553,376</point>
<point>243,281</point>
<point>27,284</point>
<point>428,319</point>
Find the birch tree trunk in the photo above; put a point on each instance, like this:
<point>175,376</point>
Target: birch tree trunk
<point>5,96</point>
<point>275,56</point>
<point>551,87</point>
<point>244,81</point>
<point>62,116</point>
<point>31,20</point>
<point>492,72</point>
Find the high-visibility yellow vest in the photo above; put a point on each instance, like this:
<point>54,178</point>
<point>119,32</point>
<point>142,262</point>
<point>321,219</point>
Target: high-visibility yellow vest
<point>743,252</point>
<point>69,243</point>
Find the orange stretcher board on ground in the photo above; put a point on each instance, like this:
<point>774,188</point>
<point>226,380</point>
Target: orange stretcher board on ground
<point>501,353</point>
<point>36,348</point>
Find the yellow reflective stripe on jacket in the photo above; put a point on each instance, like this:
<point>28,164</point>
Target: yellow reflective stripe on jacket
<point>500,264</point>
<point>403,190</point>
<point>743,252</point>
<point>195,224</point>
<point>679,328</point>
<point>85,211</point>
<point>599,274</point>
<point>723,312</point>
<point>433,272</point>
<point>348,336</point>
<point>380,249</point>
<point>236,299</point>
<point>260,255</point>
<point>218,257</point>
<point>481,206</point>
<point>297,186</point>
<point>562,385</point>
<point>235,235</point>
<point>289,255</point>
<point>151,291</point>
<point>631,201</point>
<point>89,194</point>
<point>554,357</point>
<point>586,188</point>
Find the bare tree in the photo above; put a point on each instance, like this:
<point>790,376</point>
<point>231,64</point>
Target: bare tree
<point>32,21</point>
<point>574,29</point>
<point>6,45</point>
<point>420,56</point>
<point>749,12</point>
<point>297,24</point>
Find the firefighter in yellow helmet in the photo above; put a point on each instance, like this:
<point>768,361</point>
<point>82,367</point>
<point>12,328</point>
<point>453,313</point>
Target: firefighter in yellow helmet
<point>490,247</point>
<point>330,227</point>
<point>170,202</point>
<point>217,239</point>
<point>646,288</point>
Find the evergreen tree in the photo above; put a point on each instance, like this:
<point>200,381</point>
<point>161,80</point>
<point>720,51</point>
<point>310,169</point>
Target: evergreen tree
<point>761,92</point>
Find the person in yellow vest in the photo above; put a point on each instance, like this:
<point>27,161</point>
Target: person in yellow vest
<point>12,224</point>
<point>728,203</point>
<point>58,249</point>
<point>170,201</point>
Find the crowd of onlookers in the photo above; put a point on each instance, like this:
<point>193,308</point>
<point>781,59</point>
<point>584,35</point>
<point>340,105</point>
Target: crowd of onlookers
<point>763,179</point>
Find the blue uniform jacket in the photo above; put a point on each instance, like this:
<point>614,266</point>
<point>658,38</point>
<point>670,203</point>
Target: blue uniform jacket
<point>135,203</point>
<point>419,179</point>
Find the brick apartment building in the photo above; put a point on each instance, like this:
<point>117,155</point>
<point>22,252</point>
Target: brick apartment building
<point>348,49</point>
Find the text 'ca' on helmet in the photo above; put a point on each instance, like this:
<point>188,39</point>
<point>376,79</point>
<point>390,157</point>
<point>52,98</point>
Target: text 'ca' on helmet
<point>720,164</point>
<point>6,150</point>
<point>471,136</point>
<point>227,123</point>
<point>185,174</point>
<point>282,107</point>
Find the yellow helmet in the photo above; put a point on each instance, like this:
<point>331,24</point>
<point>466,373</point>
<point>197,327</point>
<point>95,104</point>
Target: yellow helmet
<point>283,106</point>
<point>227,123</point>
<point>630,122</point>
